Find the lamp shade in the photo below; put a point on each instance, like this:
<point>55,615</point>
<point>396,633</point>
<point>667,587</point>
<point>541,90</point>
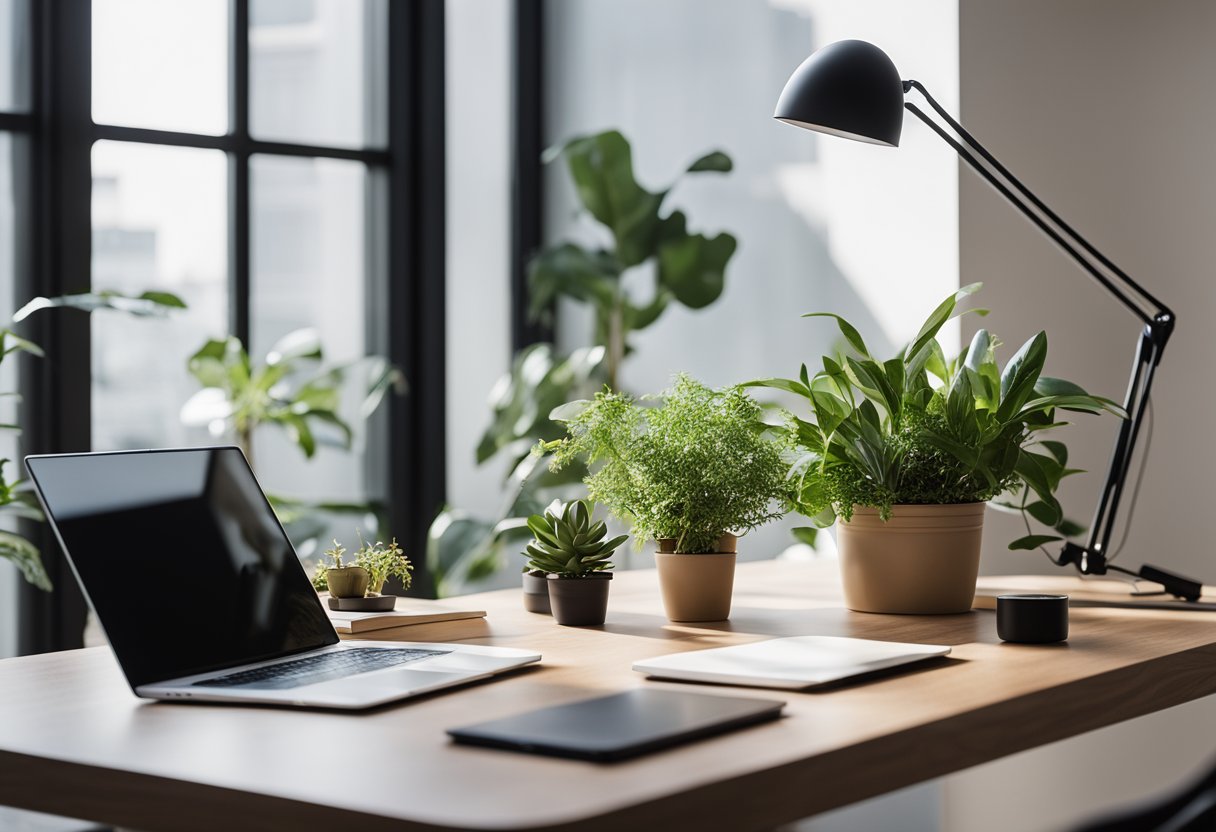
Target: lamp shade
<point>849,88</point>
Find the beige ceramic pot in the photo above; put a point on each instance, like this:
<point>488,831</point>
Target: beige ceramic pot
<point>347,582</point>
<point>697,587</point>
<point>923,560</point>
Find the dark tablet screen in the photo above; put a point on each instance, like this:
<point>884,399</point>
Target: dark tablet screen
<point>621,725</point>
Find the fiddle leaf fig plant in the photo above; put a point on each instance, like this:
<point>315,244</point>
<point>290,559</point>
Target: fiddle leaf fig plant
<point>692,467</point>
<point>918,428</point>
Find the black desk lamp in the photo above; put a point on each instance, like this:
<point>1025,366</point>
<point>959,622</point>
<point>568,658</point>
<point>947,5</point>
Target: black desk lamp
<point>851,89</point>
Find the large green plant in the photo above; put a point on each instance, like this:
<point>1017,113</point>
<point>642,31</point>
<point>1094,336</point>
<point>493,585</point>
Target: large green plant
<point>17,501</point>
<point>919,428</point>
<point>691,468</point>
<point>637,232</point>
<point>290,388</point>
<point>638,235</point>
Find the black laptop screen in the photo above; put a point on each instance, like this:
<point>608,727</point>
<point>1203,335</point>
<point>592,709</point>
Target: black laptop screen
<point>182,558</point>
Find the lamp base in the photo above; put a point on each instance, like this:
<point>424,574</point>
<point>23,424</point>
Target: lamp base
<point>1094,563</point>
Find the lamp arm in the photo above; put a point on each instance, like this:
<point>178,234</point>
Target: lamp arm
<point>1148,297</point>
<point>1158,326</point>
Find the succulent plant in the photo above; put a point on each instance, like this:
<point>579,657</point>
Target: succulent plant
<point>567,544</point>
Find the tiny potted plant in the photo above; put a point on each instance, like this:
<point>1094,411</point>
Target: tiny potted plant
<point>904,455</point>
<point>344,580</point>
<point>691,472</point>
<point>575,557</point>
<point>383,561</point>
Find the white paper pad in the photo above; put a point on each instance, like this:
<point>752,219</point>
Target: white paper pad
<point>796,662</point>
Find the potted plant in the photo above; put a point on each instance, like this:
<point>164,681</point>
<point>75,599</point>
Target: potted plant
<point>904,455</point>
<point>383,561</point>
<point>575,558</point>
<point>344,580</point>
<point>691,472</point>
<point>536,591</point>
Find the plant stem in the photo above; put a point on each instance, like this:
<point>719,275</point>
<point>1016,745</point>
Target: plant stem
<point>616,341</point>
<point>244,438</point>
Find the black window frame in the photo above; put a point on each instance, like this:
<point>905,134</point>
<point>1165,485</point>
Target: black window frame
<point>54,170</point>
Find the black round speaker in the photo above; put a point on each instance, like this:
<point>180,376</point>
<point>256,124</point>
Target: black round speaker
<point>1032,619</point>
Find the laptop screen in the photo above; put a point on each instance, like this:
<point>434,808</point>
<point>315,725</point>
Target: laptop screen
<point>182,558</point>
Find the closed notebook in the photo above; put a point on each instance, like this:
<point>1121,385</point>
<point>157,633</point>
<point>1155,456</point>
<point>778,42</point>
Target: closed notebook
<point>790,663</point>
<point>347,623</point>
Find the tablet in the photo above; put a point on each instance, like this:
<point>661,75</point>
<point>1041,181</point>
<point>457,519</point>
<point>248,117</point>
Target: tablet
<point>621,725</point>
<point>792,663</point>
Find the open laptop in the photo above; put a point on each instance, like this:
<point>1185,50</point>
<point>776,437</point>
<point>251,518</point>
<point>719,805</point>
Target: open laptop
<point>203,597</point>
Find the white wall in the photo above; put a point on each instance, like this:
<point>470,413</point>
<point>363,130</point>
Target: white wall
<point>478,241</point>
<point>823,224</point>
<point>1105,109</point>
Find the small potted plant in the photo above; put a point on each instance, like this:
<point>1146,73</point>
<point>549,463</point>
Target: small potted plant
<point>383,561</point>
<point>904,455</point>
<point>575,557</point>
<point>344,580</point>
<point>691,472</point>
<point>536,591</point>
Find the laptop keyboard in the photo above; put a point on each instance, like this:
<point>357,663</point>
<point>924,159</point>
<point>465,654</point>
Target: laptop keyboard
<point>320,668</point>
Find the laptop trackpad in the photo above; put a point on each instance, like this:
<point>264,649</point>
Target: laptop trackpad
<point>397,681</point>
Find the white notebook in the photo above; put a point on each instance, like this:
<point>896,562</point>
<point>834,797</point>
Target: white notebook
<point>796,662</point>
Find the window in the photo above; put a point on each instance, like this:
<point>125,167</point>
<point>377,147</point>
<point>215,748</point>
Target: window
<point>277,164</point>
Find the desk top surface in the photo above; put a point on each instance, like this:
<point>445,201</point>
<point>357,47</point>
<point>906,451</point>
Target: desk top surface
<point>77,741</point>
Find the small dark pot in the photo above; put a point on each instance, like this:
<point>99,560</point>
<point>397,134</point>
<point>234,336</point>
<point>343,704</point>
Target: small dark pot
<point>580,602</point>
<point>536,593</point>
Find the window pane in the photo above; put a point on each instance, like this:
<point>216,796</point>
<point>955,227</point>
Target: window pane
<point>159,221</point>
<point>161,65</point>
<point>10,578</point>
<point>308,249</point>
<point>14,55</point>
<point>317,71</point>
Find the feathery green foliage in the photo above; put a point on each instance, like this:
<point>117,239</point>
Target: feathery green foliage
<point>691,468</point>
<point>383,561</point>
<point>567,544</point>
<point>920,429</point>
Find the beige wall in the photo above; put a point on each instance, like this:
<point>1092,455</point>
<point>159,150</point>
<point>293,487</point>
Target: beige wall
<point>1105,108</point>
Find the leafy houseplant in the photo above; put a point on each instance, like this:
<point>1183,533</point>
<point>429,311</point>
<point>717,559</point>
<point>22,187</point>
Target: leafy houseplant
<point>16,499</point>
<point>689,472</point>
<point>383,561</point>
<point>918,444</point>
<point>575,557</point>
<point>637,234</point>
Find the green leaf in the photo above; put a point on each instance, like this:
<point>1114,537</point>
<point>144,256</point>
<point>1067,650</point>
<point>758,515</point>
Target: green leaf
<point>850,333</point>
<point>715,161</point>
<point>26,557</point>
<point>693,268</point>
<point>937,319</point>
<point>572,271</point>
<point>147,304</point>
<point>1020,375</point>
<point>601,166</point>
<point>1033,541</point>
<point>1045,513</point>
<point>788,385</point>
<point>805,534</point>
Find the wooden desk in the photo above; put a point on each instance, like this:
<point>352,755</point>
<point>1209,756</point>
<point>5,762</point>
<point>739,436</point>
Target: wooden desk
<point>75,741</point>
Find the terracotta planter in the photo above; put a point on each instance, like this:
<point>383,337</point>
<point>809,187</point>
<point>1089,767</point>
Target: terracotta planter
<point>536,593</point>
<point>579,602</point>
<point>922,561</point>
<point>697,587</point>
<point>347,582</point>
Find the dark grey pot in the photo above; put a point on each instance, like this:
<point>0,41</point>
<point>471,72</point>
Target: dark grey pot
<point>580,602</point>
<point>536,593</point>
